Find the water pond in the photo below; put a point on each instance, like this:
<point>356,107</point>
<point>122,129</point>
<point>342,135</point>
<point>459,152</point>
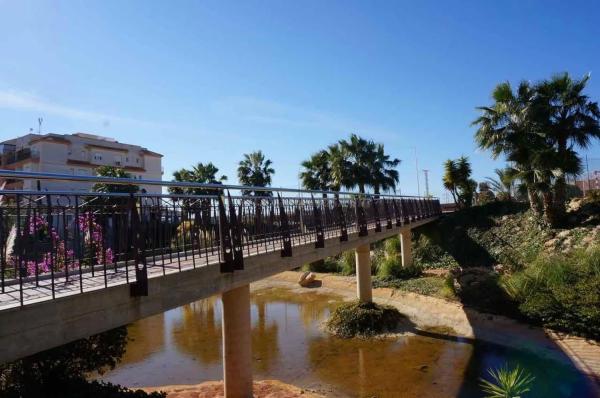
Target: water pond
<point>183,346</point>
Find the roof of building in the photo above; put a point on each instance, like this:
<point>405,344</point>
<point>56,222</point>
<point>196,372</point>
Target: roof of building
<point>89,139</point>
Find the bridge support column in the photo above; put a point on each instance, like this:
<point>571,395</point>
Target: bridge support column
<point>363,273</point>
<point>237,349</point>
<point>406,247</point>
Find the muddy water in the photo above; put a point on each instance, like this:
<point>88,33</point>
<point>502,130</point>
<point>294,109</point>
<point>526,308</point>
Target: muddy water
<point>183,346</point>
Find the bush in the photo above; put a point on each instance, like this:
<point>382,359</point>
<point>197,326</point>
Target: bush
<point>363,319</point>
<point>391,267</point>
<point>392,247</point>
<point>347,263</point>
<point>561,292</point>
<point>327,265</point>
<point>61,371</point>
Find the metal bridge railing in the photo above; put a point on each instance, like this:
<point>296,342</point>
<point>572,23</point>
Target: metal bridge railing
<point>59,243</point>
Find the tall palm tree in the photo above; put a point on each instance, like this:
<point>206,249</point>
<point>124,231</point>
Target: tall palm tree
<point>569,120</point>
<point>340,167</point>
<point>382,171</point>
<point>317,173</point>
<point>360,154</point>
<point>508,127</point>
<point>255,170</point>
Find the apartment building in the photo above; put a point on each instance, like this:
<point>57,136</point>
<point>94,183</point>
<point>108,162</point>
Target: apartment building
<point>75,154</point>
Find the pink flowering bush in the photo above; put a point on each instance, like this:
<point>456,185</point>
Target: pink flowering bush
<point>38,233</point>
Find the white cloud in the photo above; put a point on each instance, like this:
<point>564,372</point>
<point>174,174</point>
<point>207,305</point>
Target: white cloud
<point>23,101</point>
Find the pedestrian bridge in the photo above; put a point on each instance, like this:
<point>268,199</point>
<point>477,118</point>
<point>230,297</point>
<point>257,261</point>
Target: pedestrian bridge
<point>76,264</point>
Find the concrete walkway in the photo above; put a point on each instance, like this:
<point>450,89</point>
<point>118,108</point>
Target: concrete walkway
<point>430,312</point>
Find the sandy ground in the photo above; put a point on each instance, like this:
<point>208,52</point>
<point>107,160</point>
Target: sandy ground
<point>214,389</point>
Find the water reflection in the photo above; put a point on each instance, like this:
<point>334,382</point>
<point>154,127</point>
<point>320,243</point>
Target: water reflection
<point>183,346</point>
<point>198,332</point>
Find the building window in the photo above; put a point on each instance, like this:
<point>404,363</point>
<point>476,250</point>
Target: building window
<point>97,156</point>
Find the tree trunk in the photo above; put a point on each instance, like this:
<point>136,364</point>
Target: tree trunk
<point>560,185</point>
<point>534,201</point>
<point>549,208</point>
<point>560,197</point>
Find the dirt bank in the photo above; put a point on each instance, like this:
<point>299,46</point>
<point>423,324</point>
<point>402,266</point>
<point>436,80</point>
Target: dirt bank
<point>214,389</point>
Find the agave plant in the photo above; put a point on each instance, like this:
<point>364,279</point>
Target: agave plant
<point>507,383</point>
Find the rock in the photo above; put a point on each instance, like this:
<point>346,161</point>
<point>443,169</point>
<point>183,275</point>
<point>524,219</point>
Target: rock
<point>307,278</point>
<point>563,234</point>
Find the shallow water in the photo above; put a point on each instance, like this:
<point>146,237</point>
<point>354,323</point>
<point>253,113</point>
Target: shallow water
<point>183,346</point>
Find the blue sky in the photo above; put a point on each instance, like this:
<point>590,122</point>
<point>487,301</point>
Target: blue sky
<point>211,80</point>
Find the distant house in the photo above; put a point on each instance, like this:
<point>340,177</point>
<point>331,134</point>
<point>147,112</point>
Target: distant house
<point>75,154</point>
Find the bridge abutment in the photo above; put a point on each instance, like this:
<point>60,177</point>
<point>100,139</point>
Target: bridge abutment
<point>406,247</point>
<point>237,343</point>
<point>363,273</point>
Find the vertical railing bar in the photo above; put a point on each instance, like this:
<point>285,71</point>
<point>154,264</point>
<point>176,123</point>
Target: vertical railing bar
<point>2,248</point>
<point>20,257</point>
<point>53,248</point>
<point>77,243</point>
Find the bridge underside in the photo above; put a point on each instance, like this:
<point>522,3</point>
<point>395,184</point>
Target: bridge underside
<point>42,325</point>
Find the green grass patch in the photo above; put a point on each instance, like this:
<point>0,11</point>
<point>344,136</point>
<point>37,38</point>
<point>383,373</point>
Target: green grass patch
<point>428,285</point>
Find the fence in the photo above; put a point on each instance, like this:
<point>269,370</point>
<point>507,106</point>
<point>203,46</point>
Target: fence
<point>58,243</point>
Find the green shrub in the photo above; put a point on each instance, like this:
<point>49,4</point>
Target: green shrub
<point>507,383</point>
<point>391,267</point>
<point>363,319</point>
<point>61,372</point>
<point>327,265</point>
<point>392,247</point>
<point>347,263</point>
<point>561,292</point>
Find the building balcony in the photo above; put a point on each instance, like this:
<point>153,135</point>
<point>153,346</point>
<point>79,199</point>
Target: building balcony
<point>11,158</point>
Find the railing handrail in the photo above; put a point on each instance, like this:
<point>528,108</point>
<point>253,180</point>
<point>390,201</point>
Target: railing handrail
<point>175,184</point>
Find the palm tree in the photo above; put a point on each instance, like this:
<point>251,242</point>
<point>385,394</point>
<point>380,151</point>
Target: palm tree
<point>360,154</point>
<point>569,120</point>
<point>340,167</point>
<point>504,183</point>
<point>203,174</point>
<point>316,173</point>
<point>113,172</point>
<point>255,170</point>
<point>508,127</point>
<point>200,173</point>
<point>457,180</point>
<point>382,171</point>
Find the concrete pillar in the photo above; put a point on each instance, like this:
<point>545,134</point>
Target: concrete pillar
<point>363,273</point>
<point>237,348</point>
<point>406,244</point>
